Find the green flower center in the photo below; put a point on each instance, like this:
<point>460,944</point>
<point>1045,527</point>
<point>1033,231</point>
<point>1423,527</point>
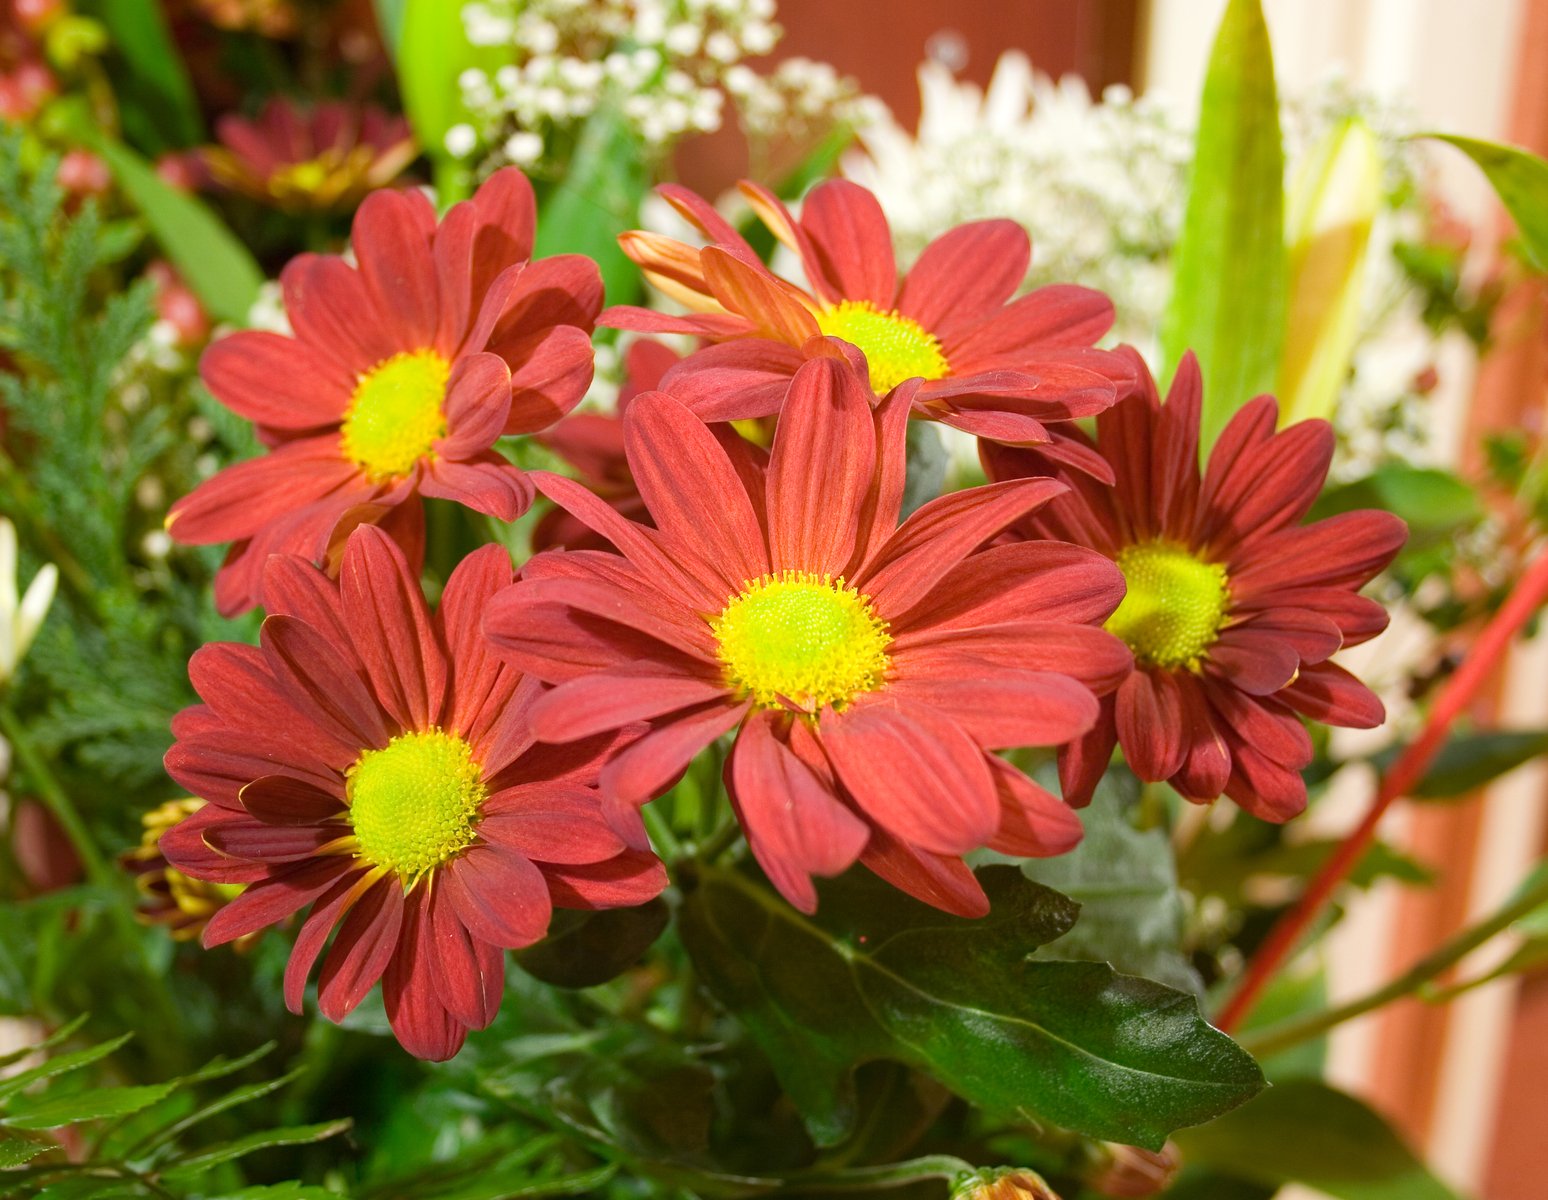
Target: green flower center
<point>395,416</point>
<point>895,347</point>
<point>801,639</point>
<point>1175,606</point>
<point>413,803</point>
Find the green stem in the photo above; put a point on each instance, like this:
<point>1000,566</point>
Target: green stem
<point>1264,1043</point>
<point>720,841</point>
<point>661,834</point>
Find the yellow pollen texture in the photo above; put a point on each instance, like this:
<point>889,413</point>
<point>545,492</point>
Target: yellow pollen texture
<point>801,640</point>
<point>896,347</point>
<point>395,415</point>
<point>414,802</point>
<point>1175,606</point>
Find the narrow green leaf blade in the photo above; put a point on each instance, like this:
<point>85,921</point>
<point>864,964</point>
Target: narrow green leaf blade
<point>877,975</point>
<point>1520,179</point>
<point>63,1033</point>
<point>1230,281</point>
<point>17,1151</point>
<point>156,99</point>
<point>51,1112</point>
<point>294,1135</point>
<point>1303,1131</point>
<point>59,1065</point>
<point>1470,760</point>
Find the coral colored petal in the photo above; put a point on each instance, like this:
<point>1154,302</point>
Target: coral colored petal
<point>499,896</point>
<point>294,587</point>
<point>242,499</point>
<point>1330,694</point>
<point>1342,551</point>
<point>333,311</point>
<point>631,878</point>
<point>392,245</point>
<point>486,483</point>
<point>735,381</point>
<point>596,703</point>
<point>478,401</point>
<point>914,772</point>
<point>507,220</point>
<point>453,255</point>
<point>884,499</point>
<point>470,974</point>
<point>1084,761</point>
<point>820,469</point>
<point>563,290</point>
<point>1271,485</point>
<point>419,1020</point>
<point>478,679</point>
<point>774,306</point>
<point>320,922</point>
<point>286,800</point>
<point>1148,712</point>
<point>1021,581</point>
<point>281,894</point>
<point>1034,823</point>
<point>795,825</point>
<point>713,325</point>
<point>553,372</point>
<point>185,847</point>
<point>851,241</point>
<point>1093,656</point>
<point>366,941</point>
<point>1265,724</point>
<point>647,768</point>
<point>549,823</point>
<point>275,381</point>
<point>321,684</point>
<point>1058,315</point>
<point>940,880</point>
<point>1008,710</point>
<point>965,274</point>
<point>776,217</point>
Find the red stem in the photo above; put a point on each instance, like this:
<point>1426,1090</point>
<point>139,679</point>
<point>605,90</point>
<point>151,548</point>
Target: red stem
<point>1530,592</point>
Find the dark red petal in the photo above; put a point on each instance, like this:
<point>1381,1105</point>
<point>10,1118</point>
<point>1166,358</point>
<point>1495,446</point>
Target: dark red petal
<point>795,825</point>
<point>275,381</point>
<point>499,896</point>
<point>239,501</point>
<point>851,242</point>
<point>386,615</point>
<point>1084,761</point>
<point>552,374</point>
<point>273,899</point>
<point>1034,823</point>
<point>1207,766</point>
<point>632,878</point>
<point>1330,694</point>
<point>1269,485</point>
<point>597,702</point>
<point>215,765</point>
<point>320,922</point>
<point>321,684</point>
<point>478,400</point>
<point>295,587</point>
<point>185,847</point>
<point>1149,719</point>
<point>549,823</point>
<point>236,681</point>
<point>1263,723</point>
<point>736,380</point>
<point>419,1020</point>
<point>647,768</point>
<point>1093,656</point>
<point>1263,787</point>
<point>1342,551</point>
<point>470,974</point>
<point>258,842</point>
<point>486,483</point>
<point>1021,581</point>
<point>285,800</point>
<point>1258,662</point>
<point>913,772</point>
<point>360,953</point>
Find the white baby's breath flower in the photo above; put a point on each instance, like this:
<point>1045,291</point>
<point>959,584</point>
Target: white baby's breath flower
<point>461,140</point>
<point>20,617</point>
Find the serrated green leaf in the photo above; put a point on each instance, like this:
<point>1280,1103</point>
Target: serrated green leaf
<point>1305,1132</point>
<point>597,199</point>
<point>1520,179</point>
<point>1230,279</point>
<point>59,1035</point>
<point>60,1065</point>
<point>877,975</point>
<point>294,1135</point>
<point>50,1112</point>
<point>17,1151</point>
<point>1125,881</point>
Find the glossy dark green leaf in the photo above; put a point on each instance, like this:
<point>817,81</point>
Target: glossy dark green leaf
<point>877,975</point>
<point>1468,761</point>
<point>597,199</point>
<point>1230,284</point>
<point>1305,1132</point>
<point>294,1135</point>
<point>1521,181</point>
<point>156,99</point>
<point>584,949</point>
<point>50,1111</point>
<point>59,1065</point>
<point>1125,881</point>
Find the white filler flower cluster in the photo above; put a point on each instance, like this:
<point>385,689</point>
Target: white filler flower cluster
<point>668,66</point>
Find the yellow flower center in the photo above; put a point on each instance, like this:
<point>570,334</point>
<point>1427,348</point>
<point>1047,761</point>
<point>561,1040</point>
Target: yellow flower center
<point>895,347</point>
<point>802,640</point>
<point>395,415</point>
<point>413,803</point>
<point>1175,606</point>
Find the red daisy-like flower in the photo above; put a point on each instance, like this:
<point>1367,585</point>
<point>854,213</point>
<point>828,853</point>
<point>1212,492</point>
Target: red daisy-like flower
<point>868,667</point>
<point>993,367</point>
<point>593,444</point>
<point>310,160</point>
<point>376,762</point>
<point>1233,608</point>
<point>402,375</point>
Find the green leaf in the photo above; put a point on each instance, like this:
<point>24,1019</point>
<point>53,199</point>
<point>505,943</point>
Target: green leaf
<point>1125,880</point>
<point>432,53</point>
<point>389,19</point>
<point>50,1112</point>
<point>280,1191</point>
<point>218,267</point>
<point>1306,1132</point>
<point>294,1135</point>
<point>61,1034</point>
<point>16,1151</point>
<point>1435,503</point>
<point>877,975</point>
<point>597,199</point>
<point>584,949</point>
<point>156,100</point>
<point>1230,283</point>
<point>60,1065</point>
<point>1333,203</point>
<point>1468,761</point>
<point>1520,179</point>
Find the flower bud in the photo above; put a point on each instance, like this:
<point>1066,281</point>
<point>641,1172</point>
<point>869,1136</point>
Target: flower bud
<point>168,897</point>
<point>82,173</point>
<point>1004,1183</point>
<point>1128,1171</point>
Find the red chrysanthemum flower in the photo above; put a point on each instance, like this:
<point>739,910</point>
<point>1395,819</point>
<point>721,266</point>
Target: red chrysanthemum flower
<point>995,369</point>
<point>1233,606</point>
<point>310,160</point>
<point>376,762</point>
<point>869,668</point>
<point>400,378</point>
<point>593,444</point>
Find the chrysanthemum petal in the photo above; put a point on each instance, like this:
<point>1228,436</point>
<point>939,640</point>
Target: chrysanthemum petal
<point>409,992</point>
<point>499,895</point>
<point>778,310</point>
<point>286,800</point>
<point>1330,694</point>
<point>852,242</point>
<point>549,823</point>
<point>321,684</point>
<point>242,499</point>
<point>554,371</point>
<point>611,699</point>
<point>1002,708</point>
<point>1060,314</point>
<point>391,238</point>
<point>645,768</point>
<point>942,880</point>
<point>477,680</point>
<point>966,273</point>
<point>478,401</point>
<point>1084,761</point>
<point>275,381</point>
<point>1021,581</point>
<point>1149,719</point>
<point>1034,823</point>
<point>295,587</point>
<point>184,846</point>
<point>282,893</point>
<point>631,878</point>
<point>365,944</point>
<point>736,380</point>
<point>484,482</point>
<point>470,973</point>
<point>320,922</point>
